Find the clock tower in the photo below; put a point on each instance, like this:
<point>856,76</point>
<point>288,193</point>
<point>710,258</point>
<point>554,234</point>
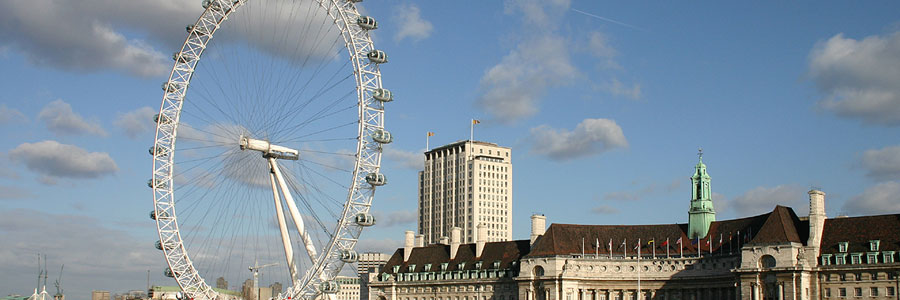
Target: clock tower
<point>701,213</point>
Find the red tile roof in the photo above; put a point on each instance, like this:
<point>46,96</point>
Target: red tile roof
<point>858,231</point>
<point>507,253</point>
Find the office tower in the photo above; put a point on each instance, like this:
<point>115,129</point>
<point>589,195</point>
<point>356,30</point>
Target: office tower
<point>465,184</point>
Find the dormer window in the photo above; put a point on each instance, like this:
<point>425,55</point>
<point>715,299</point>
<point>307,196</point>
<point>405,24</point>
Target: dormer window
<point>826,259</point>
<point>461,266</point>
<point>396,269</point>
<point>873,245</point>
<point>427,267</point>
<point>842,246</point>
<point>888,257</point>
<point>412,268</point>
<point>856,258</point>
<point>872,257</point>
<point>443,267</point>
<point>496,264</point>
<point>840,259</point>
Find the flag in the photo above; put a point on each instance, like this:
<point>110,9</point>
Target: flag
<point>651,242</point>
<point>475,121</point>
<point>666,243</point>
<point>430,133</point>
<point>679,241</point>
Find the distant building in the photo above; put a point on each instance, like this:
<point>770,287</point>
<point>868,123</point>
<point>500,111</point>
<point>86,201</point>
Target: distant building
<point>776,255</point>
<point>171,293</point>
<point>100,295</point>
<point>222,283</point>
<point>466,184</point>
<point>247,291</point>
<point>368,265</point>
<point>276,288</point>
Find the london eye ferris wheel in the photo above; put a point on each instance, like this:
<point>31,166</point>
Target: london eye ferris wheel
<point>268,142</point>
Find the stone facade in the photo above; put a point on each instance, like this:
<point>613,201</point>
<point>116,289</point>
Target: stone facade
<point>777,256</point>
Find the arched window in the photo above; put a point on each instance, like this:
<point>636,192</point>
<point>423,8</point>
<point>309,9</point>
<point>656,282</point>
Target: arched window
<point>767,262</point>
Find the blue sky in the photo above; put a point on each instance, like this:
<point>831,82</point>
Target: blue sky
<point>603,104</point>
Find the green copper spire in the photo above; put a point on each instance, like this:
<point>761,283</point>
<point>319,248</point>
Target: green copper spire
<point>701,213</point>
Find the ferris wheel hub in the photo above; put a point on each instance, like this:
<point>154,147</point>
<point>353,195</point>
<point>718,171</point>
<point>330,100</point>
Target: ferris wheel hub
<point>268,149</point>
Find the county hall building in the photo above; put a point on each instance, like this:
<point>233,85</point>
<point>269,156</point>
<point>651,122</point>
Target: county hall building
<point>776,255</point>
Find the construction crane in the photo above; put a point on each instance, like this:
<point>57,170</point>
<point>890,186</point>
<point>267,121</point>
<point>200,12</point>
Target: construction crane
<point>59,292</point>
<point>255,270</point>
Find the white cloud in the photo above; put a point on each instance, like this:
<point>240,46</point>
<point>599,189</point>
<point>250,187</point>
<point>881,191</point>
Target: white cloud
<point>14,192</point>
<point>763,199</point>
<point>410,23</point>
<point>649,189</point>
<point>136,122</point>
<point>408,160</point>
<point>395,218</point>
<point>81,36</point>
<point>876,200</point>
<point>542,14</point>
<point>388,246</point>
<point>89,35</point>
<point>590,137</point>
<point>50,158</point>
<point>605,210</point>
<point>514,87</point>
<point>91,253</point>
<point>599,47</point>
<point>860,79</point>
<point>882,164</point>
<point>617,88</point>
<point>61,120</point>
<point>10,115</point>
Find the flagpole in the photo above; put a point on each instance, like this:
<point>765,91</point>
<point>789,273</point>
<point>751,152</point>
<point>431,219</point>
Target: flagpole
<point>582,247</point>
<point>610,248</point>
<point>667,247</point>
<point>597,248</point>
<point>472,130</point>
<point>639,268</point>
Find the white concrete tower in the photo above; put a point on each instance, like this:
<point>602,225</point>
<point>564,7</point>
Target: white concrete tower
<point>464,184</point>
<point>816,218</point>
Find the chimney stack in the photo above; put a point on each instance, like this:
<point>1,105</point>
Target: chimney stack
<point>420,240</point>
<point>408,245</point>
<point>816,218</point>
<point>444,240</point>
<point>455,233</point>
<point>481,239</point>
<point>538,226</point>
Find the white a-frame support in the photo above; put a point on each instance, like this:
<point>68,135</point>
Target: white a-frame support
<point>275,176</point>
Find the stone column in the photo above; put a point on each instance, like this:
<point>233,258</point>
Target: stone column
<point>780,291</point>
<point>755,291</point>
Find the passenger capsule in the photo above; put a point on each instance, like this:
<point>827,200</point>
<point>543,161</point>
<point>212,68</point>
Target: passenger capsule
<point>367,22</point>
<point>182,57</point>
<point>198,30</point>
<point>214,4</point>
<point>365,219</point>
<point>356,1</point>
<point>169,87</point>
<point>349,256</point>
<point>376,179</point>
<point>165,120</point>
<point>383,95</point>
<point>169,246</point>
<point>150,183</point>
<point>168,272</point>
<point>382,136</point>
<point>377,56</point>
<point>160,151</point>
<point>330,287</point>
<point>153,215</point>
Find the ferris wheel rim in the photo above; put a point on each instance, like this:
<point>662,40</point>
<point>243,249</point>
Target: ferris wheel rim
<point>368,153</point>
